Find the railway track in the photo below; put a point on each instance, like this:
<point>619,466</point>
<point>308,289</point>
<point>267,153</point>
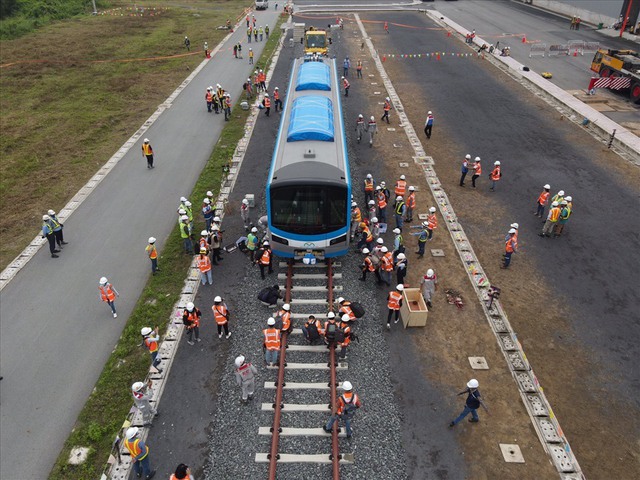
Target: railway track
<point>314,369</point>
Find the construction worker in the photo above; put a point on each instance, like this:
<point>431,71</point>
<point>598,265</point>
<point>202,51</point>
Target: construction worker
<point>147,152</point>
<point>216,241</point>
<point>477,171</point>
<point>356,219</point>
<point>429,283</point>
<point>372,128</point>
<point>247,86</point>
<point>465,168</point>
<point>249,33</point>
<point>381,198</point>
<point>246,377</point>
<point>386,27</point>
<point>543,200</point>
<point>495,175</point>
<point>432,222</point>
<point>368,266</point>
<point>312,329</point>
<point>261,32</point>
<point>345,67</point>
<point>277,99</point>
<point>552,218</point>
<point>348,403</point>
<point>510,247</point>
<point>235,51</point>
<point>221,316</point>
<point>428,124</point>
<point>150,339</point>
<point>558,197</point>
<point>227,107</point>
<point>474,400</point>
<point>359,69</point>
<point>565,213</point>
<point>371,209</point>
<point>252,243</point>
<point>346,334</point>
<point>203,243</point>
<point>264,259</point>
<point>360,127</point>
<point>399,209</point>
<point>57,229</point>
<point>108,294</point>
<point>401,186</point>
<point>266,102</point>
<point>386,108</point>
<point>250,56</point>
<point>206,50</point>
<point>516,227</point>
<point>139,453</point>
<point>330,329</point>
<point>369,184</point>
<point>152,252</point>
<point>374,225</point>
<point>208,96</point>
<point>377,250</point>
<point>410,204</point>
<point>346,85</point>
<point>284,316</point>
<point>142,400</point>
<point>191,318</point>
<point>216,103</point>
<point>344,308</point>
<point>204,265</point>
<point>366,238</point>
<point>187,44</point>
<point>185,234</point>
<point>569,202</point>
<point>423,236</point>
<point>47,232</point>
<point>401,268</point>
<point>394,302</point>
<point>386,265</point>
<point>263,80</point>
<point>207,212</point>
<point>244,213</point>
<point>271,344</point>
<point>183,472</point>
<point>255,33</point>
<point>398,243</point>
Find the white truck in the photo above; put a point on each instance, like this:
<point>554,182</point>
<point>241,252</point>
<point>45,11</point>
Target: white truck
<point>262,4</point>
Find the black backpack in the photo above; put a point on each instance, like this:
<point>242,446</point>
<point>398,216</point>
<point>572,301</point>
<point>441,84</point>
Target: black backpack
<point>357,309</point>
<point>349,408</point>
<point>278,324</point>
<point>330,333</point>
<point>312,331</point>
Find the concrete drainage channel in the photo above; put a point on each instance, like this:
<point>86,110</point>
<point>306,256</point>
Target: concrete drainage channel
<point>120,468</point>
<point>542,417</point>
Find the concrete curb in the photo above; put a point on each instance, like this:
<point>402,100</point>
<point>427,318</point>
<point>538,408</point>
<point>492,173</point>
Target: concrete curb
<point>547,427</point>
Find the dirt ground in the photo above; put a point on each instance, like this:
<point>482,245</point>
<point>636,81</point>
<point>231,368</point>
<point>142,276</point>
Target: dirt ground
<point>547,339</point>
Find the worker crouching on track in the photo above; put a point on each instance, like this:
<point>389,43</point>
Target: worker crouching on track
<point>246,377</point>
<point>312,329</point>
<point>348,403</point>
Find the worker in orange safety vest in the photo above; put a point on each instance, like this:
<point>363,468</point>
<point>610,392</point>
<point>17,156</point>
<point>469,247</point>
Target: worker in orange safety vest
<point>543,200</point>
<point>139,453</point>
<point>477,171</point>
<point>277,99</point>
<point>394,302</point>
<point>271,344</point>
<point>108,294</point>
<point>264,259</point>
<point>495,175</point>
<point>204,265</point>
<point>266,102</point>
<point>410,204</point>
<point>191,318</point>
<point>348,403</point>
<point>552,218</point>
<point>284,315</point>
<point>221,316</point>
<point>401,186</point>
<point>386,265</point>
<point>387,109</point>
<point>147,152</point>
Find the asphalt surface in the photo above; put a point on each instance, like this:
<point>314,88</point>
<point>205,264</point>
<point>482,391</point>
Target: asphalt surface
<point>55,333</point>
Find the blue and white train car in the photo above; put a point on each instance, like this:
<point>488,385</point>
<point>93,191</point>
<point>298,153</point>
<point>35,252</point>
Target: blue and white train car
<point>309,185</point>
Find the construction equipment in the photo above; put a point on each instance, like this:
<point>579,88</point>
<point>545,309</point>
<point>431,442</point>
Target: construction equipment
<point>622,64</point>
<point>316,41</point>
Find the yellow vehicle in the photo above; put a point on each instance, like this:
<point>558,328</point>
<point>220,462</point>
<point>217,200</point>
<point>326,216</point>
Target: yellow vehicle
<point>619,63</point>
<point>316,41</point>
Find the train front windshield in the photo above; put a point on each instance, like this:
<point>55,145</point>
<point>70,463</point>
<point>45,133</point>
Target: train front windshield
<point>316,41</point>
<point>309,209</point>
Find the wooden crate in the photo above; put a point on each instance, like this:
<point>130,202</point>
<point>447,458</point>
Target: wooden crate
<point>414,309</point>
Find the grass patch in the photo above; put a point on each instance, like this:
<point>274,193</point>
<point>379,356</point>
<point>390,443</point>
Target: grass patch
<point>62,120</point>
<point>108,405</point>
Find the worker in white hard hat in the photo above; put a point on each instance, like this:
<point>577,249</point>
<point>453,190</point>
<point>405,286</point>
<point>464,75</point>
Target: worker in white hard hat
<point>141,398</point>
<point>203,262</point>
<point>360,127</point>
<point>386,108</point>
<point>374,226</point>
<point>356,219</point>
<point>252,242</point>
<point>283,318</point>
<point>399,209</point>
<point>552,218</point>
<point>271,344</point>
<point>187,43</point>
<point>400,188</point>
<point>344,337</point>
<point>510,247</point>
<point>47,232</point>
<point>410,204</point>
<point>264,258</point>
<point>565,213</point>
<point>473,402</point>
<point>346,85</point>
<point>246,377</point>
<point>428,124</point>
<point>147,152</point>
<point>277,99</point>
<point>394,303</point>
<point>185,234</point>
<point>369,188</point>
<point>191,318</point>
<point>558,197</point>
<point>266,103</point>
<point>150,339</point>
<point>152,253</point>
<point>244,214</point>
<point>401,268</point>
<point>348,403</point>
<point>215,240</point>
<point>221,315</point>
<point>108,294</point>
<point>398,243</point>
<point>515,226</point>
<point>429,285</point>
<point>495,175</point>
<point>372,128</point>
<point>543,200</point>
<point>477,171</point>
<point>139,453</point>
<point>57,229</point>
<point>423,237</point>
<point>386,265</point>
<point>465,168</point>
<point>370,264</point>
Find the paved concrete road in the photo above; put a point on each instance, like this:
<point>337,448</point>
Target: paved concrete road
<point>55,334</point>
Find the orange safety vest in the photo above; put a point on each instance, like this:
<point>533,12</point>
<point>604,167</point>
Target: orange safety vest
<point>146,149</point>
<point>227,102</point>
<point>220,314</point>
<point>509,244</point>
<point>345,308</point>
<point>262,77</point>
<point>368,185</point>
<point>266,257</point>
<point>394,300</point>
<point>411,200</point>
<point>347,330</point>
<point>209,97</point>
<point>107,293</point>
<point>359,66</point>
<point>271,338</point>
<point>204,243</point>
<point>204,264</point>
<point>478,168</point>
<point>286,319</point>
<point>495,174</point>
<point>401,187</point>
<point>193,317</point>
<point>543,199</point>
<point>135,450</point>
<point>387,106</point>
<point>267,102</point>
<point>276,94</point>
<point>554,214</point>
<point>368,263</point>
<point>346,83</point>
<point>153,253</point>
<point>256,79</point>
<point>387,262</point>
<point>382,200</point>
<point>347,397</point>
<point>152,345</point>
<point>432,221</point>
<point>357,216</point>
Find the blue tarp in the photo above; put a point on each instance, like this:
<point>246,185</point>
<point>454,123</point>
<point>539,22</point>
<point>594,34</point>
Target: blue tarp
<point>314,76</point>
<point>311,119</point>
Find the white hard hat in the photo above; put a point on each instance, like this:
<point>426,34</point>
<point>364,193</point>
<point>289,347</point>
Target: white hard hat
<point>45,217</point>
<point>412,188</point>
<point>360,116</point>
<point>190,306</point>
<point>286,307</point>
<point>432,210</point>
<point>374,219</point>
<point>467,156</point>
<point>371,202</point>
<point>373,119</point>
<point>425,224</point>
<point>266,94</point>
<point>354,204</point>
<point>396,231</point>
<point>346,386</point>
<point>554,204</point>
<point>387,99</point>
<point>187,203</point>
<point>369,176</point>
<point>146,140</point>
<point>204,233</point>
<point>276,88</point>
<point>51,212</point>
<point>568,198</point>
<point>209,89</point>
<point>218,85</point>
<point>384,249</point>
<point>497,162</point>
<point>183,199</point>
<point>146,331</point>
<point>131,432</point>
<point>514,225</point>
<point>103,281</point>
<point>547,187</point>
<point>365,250</point>
<point>380,241</point>
<point>331,315</point>
<point>216,219</point>
<point>477,159</point>
<point>402,177</point>
<point>265,244</point>
<point>254,230</point>
<point>245,201</point>
<point>512,230</point>
<point>473,383</point>
<point>182,211</point>
<point>239,361</point>
<point>398,198</point>
<point>207,201</point>
<point>136,387</point>
<point>564,202</point>
<point>561,192</point>
<point>271,321</point>
<point>401,256</point>
<point>378,187</point>
<point>345,317</point>
<point>209,193</point>
<point>430,273</point>
<point>400,287</point>
<point>340,299</point>
<point>184,217</point>
<point>429,112</point>
<point>342,78</point>
<point>218,299</point>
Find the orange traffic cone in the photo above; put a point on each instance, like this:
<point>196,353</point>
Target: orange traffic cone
<point>524,39</point>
